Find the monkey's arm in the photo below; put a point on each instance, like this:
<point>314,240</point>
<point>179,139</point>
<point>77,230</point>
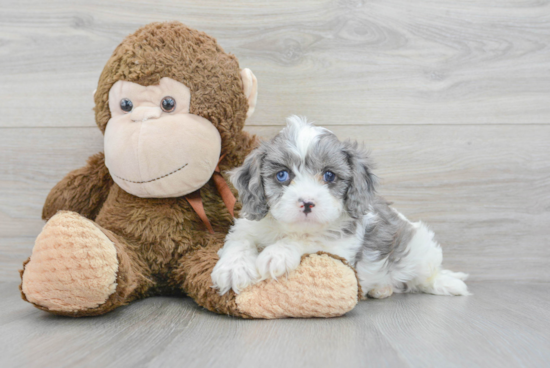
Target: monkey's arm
<point>83,190</point>
<point>323,285</point>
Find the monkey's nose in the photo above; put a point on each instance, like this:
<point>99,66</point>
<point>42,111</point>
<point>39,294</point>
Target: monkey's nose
<point>144,113</point>
<point>307,206</point>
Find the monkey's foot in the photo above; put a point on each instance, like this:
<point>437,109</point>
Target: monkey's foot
<point>322,286</point>
<point>73,266</point>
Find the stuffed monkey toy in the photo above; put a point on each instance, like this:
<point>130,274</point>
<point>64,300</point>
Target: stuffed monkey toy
<point>147,216</point>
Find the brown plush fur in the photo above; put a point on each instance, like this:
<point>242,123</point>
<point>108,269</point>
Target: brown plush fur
<point>93,181</point>
<point>158,240</point>
<point>163,248</point>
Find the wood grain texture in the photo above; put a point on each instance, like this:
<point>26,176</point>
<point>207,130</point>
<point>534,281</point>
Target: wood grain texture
<point>351,61</point>
<point>501,325</point>
<point>482,189</point>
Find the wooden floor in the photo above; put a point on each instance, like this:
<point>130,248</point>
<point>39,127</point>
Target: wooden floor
<point>453,98</point>
<point>501,325</point>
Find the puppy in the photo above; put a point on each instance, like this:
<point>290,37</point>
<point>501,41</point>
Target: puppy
<point>305,191</point>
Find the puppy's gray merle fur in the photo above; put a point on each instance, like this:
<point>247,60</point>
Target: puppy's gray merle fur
<point>305,191</point>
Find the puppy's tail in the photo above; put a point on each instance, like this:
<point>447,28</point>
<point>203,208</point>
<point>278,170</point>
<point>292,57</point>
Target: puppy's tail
<point>445,282</point>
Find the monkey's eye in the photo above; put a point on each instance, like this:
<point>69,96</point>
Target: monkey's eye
<point>282,176</point>
<point>126,105</point>
<point>168,104</point>
<point>329,176</point>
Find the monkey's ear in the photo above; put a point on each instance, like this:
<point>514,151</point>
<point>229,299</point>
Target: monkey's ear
<point>250,85</point>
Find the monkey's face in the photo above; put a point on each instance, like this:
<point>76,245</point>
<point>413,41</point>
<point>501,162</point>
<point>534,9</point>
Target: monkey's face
<point>154,148</point>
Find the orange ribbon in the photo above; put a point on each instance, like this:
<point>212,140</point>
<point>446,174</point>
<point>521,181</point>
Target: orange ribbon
<point>195,201</point>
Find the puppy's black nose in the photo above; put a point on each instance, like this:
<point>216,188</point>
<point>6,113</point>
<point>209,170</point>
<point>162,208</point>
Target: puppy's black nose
<point>307,206</point>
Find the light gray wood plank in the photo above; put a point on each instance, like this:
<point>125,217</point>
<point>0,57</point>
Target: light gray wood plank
<point>482,189</point>
<point>13,252</point>
<point>488,329</point>
<point>33,161</point>
<point>353,62</point>
<point>502,324</point>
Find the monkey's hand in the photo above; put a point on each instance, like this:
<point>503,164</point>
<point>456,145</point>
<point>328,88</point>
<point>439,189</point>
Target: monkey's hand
<point>323,285</point>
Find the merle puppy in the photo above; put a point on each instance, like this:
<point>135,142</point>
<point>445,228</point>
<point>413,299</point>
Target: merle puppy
<point>305,191</point>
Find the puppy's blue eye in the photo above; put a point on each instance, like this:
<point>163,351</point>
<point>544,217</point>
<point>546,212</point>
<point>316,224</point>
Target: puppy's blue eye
<point>329,176</point>
<point>282,176</point>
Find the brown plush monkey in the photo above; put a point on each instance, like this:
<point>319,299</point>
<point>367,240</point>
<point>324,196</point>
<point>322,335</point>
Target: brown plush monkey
<point>148,216</point>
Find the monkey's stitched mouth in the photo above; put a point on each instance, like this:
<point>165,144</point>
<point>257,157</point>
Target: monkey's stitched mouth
<point>149,181</point>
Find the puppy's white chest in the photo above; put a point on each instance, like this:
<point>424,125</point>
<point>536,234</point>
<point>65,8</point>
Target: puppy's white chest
<point>305,243</point>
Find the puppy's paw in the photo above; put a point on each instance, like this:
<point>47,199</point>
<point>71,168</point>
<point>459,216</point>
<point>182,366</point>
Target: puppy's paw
<point>381,292</point>
<point>235,270</point>
<point>447,284</point>
<point>277,260</point>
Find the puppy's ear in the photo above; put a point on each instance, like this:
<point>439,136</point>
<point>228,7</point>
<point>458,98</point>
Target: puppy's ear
<point>362,185</point>
<point>248,181</point>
